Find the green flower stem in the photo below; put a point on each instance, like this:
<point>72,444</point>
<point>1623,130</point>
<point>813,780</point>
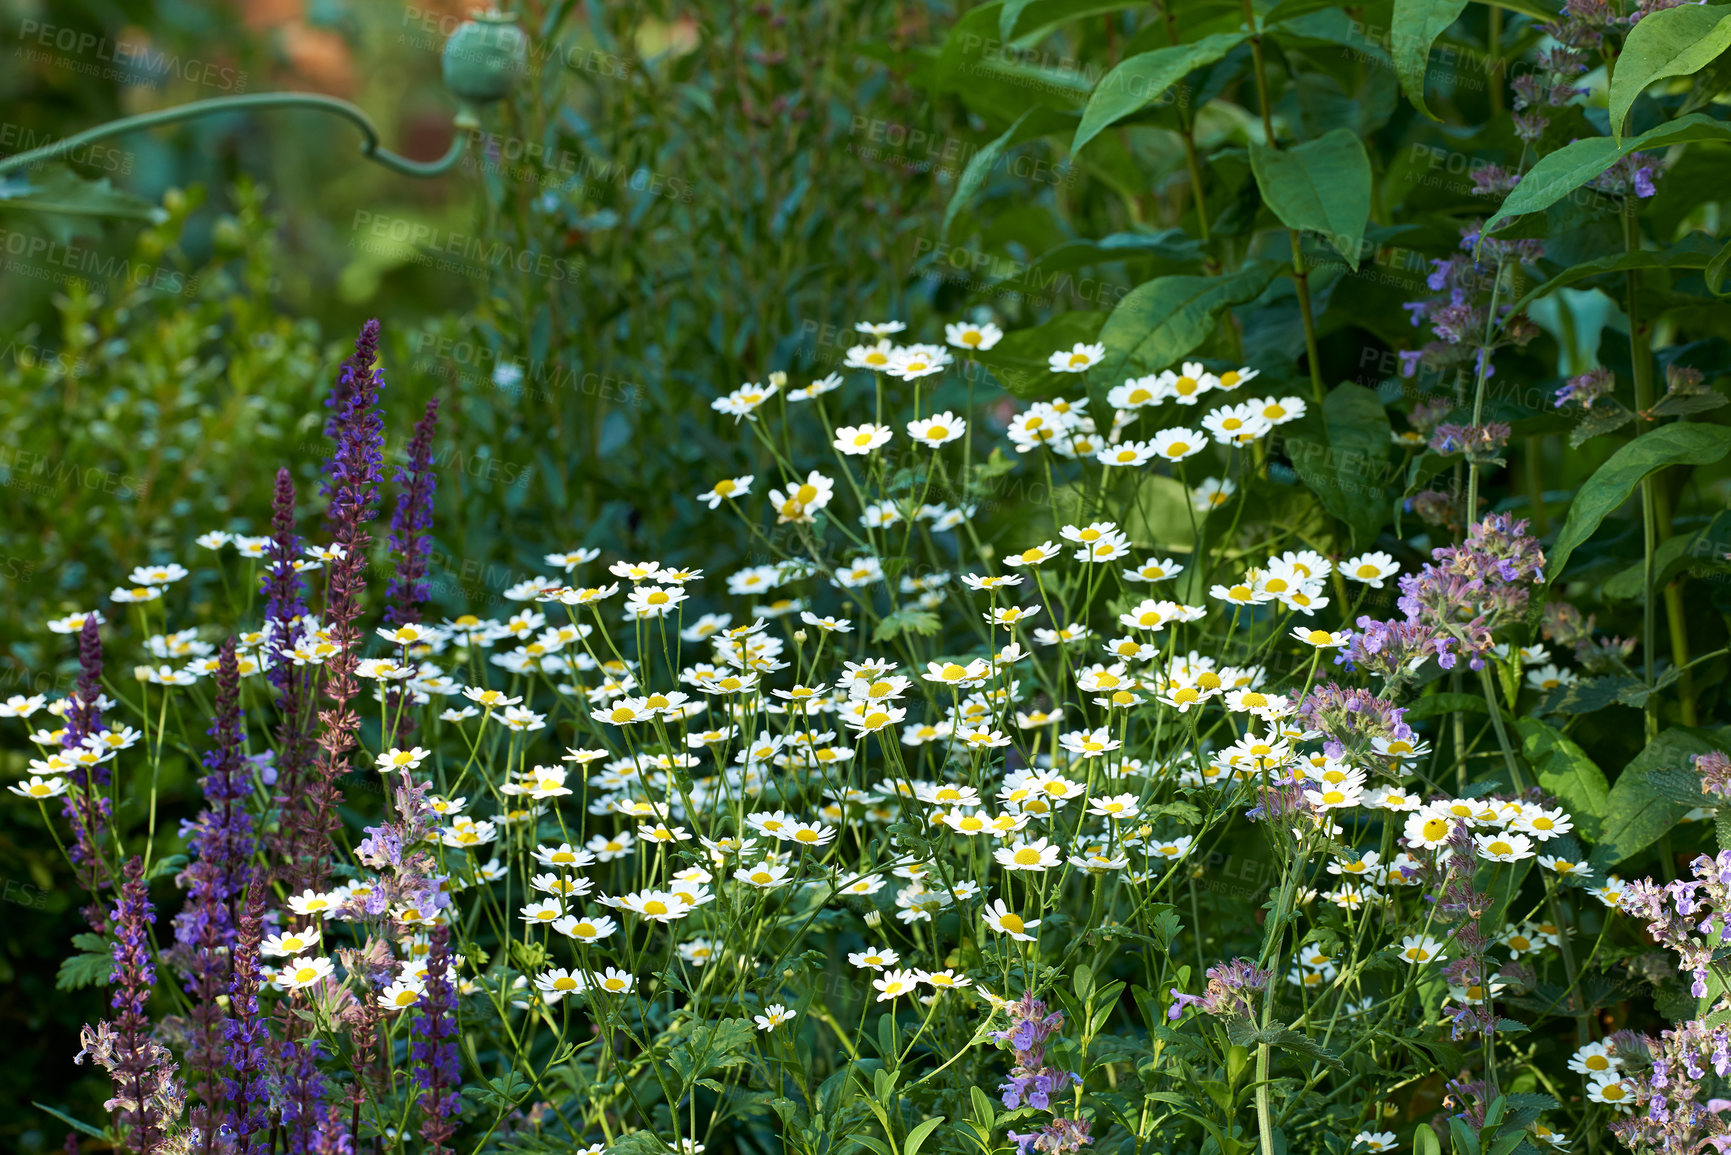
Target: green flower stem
<point>1270,957</point>
<point>1300,275</point>
<point>1641,363</point>
<point>371,148</point>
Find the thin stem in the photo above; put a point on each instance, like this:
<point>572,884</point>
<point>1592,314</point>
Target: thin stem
<point>371,148</point>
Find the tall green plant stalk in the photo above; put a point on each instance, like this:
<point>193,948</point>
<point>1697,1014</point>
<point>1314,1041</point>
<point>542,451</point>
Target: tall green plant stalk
<point>1300,275</point>
<point>1641,366</point>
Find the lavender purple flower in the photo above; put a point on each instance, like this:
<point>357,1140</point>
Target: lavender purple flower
<point>1226,994</point>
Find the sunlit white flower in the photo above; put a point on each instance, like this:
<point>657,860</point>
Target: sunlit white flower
<point>1078,359</point>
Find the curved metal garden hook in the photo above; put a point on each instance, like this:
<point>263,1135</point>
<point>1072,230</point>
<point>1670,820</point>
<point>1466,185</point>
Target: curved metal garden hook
<point>371,149</point>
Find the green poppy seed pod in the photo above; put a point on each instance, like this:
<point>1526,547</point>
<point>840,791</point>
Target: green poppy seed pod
<point>482,60</point>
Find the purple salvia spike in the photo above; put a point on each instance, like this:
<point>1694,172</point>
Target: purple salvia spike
<point>246,1033</point>
<point>86,805</point>
<point>410,543</point>
<point>434,1051</point>
<point>221,846</point>
<point>355,477</point>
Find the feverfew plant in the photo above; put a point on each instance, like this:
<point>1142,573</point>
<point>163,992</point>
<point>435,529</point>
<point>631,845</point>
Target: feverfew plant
<point>893,839</point>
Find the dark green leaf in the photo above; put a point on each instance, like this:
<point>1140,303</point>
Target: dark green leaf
<point>86,1128</point>
<point>1613,482</point>
<point>1320,186</point>
<point>1160,321</point>
<point>1342,454</point>
<point>1636,814</point>
<point>1671,42</point>
<point>1694,251</point>
<point>1035,122</point>
<point>1027,21</point>
<point>1563,769</point>
<point>1019,361</point>
<point>1143,79</point>
<point>1412,31</point>
<point>1562,172</point>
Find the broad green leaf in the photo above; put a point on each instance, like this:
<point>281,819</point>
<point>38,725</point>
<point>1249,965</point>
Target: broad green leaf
<point>1672,42</point>
<point>1425,1141</point>
<point>1575,164</point>
<point>1144,79</point>
<point>1695,251</point>
<point>1342,454</point>
<point>1322,186</point>
<point>1412,31</point>
<point>1564,770</point>
<point>1637,814</point>
<point>1035,122</point>
<point>1613,482</point>
<point>1160,321</point>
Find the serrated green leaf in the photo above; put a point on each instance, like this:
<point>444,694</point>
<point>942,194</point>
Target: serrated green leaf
<point>1636,813</point>
<point>83,970</point>
<point>925,623</point>
<point>1671,42</point>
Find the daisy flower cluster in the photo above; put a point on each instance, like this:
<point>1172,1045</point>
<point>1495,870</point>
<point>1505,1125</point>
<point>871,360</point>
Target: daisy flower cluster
<point>1034,803</point>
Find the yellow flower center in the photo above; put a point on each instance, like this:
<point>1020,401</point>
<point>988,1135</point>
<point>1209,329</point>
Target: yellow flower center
<point>1012,923</point>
